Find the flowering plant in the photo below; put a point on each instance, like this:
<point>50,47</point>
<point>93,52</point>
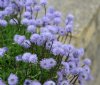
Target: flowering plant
<point>31,52</point>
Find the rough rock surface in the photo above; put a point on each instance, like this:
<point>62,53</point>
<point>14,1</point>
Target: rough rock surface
<point>87,27</point>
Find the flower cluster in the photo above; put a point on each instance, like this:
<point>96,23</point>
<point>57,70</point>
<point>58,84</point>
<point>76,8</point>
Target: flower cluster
<point>50,62</point>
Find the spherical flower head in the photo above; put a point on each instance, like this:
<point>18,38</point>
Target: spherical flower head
<point>12,79</point>
<point>52,29</point>
<point>72,65</point>
<point>47,63</point>
<point>87,61</point>
<point>19,39</point>
<point>37,8</point>
<point>28,8</point>
<point>68,48</point>
<point>33,59</point>
<point>49,82</point>
<point>26,44</point>
<point>69,28</point>
<point>83,75</point>
<point>51,10</point>
<point>44,30</point>
<point>2,83</point>
<point>27,82</point>
<point>40,41</point>
<point>18,58</point>
<point>25,21</point>
<point>2,52</point>
<point>34,38</point>
<point>81,51</point>
<point>3,23</point>
<point>31,28</point>
<point>27,14</point>
<point>28,2</point>
<point>62,32</point>
<point>8,10</point>
<point>39,22</point>
<point>69,19</point>
<point>13,21</point>
<point>87,69</point>
<point>64,82</point>
<point>46,20</point>
<point>43,2</point>
<point>58,51</point>
<point>49,36</point>
<point>35,82</point>
<point>57,14</point>
<point>57,20</point>
<point>31,22</point>
<point>26,57</point>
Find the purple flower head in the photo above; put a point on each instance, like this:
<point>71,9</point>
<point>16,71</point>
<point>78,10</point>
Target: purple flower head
<point>8,10</point>
<point>37,8</point>
<point>46,20</point>
<point>81,51</point>
<point>52,29</point>
<point>44,30</point>
<point>34,38</point>
<point>56,44</point>
<point>57,14</point>
<point>51,10</point>
<point>3,51</point>
<point>62,32</point>
<point>69,28</point>
<point>25,21</point>
<point>56,51</point>
<point>12,79</point>
<point>28,8</point>
<point>3,23</point>
<point>1,82</point>
<point>39,22</point>
<point>83,75</point>
<point>27,15</point>
<point>26,57</point>
<point>27,82</point>
<point>87,69</point>
<point>13,21</point>
<point>26,44</point>
<point>31,28</point>
<point>33,59</point>
<point>28,2</point>
<point>57,20</point>
<point>35,82</point>
<point>64,82</point>
<point>19,58</point>
<point>19,39</point>
<point>87,61</point>
<point>32,22</point>
<point>47,63</point>
<point>69,19</point>
<point>72,65</point>
<point>68,48</point>
<point>50,15</point>
<point>49,82</point>
<point>43,2</point>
